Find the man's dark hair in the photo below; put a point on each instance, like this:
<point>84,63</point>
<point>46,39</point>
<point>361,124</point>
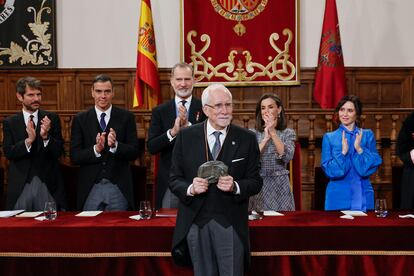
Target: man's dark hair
<point>102,78</point>
<point>24,82</point>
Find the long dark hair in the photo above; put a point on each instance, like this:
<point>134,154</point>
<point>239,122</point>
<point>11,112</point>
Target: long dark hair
<point>281,120</point>
<point>357,104</point>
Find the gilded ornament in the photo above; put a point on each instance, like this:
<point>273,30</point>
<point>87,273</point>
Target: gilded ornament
<point>38,50</point>
<point>279,67</point>
<point>239,10</point>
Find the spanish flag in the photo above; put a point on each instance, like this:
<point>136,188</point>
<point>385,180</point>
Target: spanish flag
<point>147,85</point>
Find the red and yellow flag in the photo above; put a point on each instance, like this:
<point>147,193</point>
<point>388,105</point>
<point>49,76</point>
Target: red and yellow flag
<point>330,84</point>
<point>147,85</point>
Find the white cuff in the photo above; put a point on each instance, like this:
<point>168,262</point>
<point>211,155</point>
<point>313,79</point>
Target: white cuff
<point>113,150</point>
<point>96,153</point>
<point>170,138</point>
<point>237,192</point>
<point>189,190</point>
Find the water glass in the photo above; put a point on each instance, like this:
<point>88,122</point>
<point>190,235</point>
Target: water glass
<point>50,211</point>
<point>381,210</point>
<point>145,211</point>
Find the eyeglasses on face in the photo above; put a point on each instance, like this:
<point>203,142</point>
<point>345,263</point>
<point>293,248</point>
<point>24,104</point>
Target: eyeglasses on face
<point>221,106</point>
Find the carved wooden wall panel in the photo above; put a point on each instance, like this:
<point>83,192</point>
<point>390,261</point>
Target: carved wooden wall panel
<point>385,93</point>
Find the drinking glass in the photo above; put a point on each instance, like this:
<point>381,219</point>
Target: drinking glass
<point>145,211</point>
<point>50,210</point>
<point>381,210</point>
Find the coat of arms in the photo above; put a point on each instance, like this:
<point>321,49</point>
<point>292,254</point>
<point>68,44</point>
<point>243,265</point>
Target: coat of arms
<point>239,10</point>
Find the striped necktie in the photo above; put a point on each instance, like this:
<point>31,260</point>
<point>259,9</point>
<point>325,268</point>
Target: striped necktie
<point>217,145</point>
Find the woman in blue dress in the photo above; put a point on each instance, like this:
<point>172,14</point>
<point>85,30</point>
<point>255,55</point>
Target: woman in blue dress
<point>349,158</point>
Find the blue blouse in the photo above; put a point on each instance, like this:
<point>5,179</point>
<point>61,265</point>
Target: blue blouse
<point>349,187</point>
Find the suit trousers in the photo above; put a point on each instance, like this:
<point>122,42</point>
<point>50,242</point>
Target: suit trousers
<point>170,200</point>
<point>33,196</point>
<point>105,196</point>
<point>215,250</point>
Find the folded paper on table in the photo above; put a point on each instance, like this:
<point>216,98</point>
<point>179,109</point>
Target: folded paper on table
<point>346,217</point>
<point>354,213</point>
<point>10,213</point>
<point>406,216</point>
<point>41,218</point>
<point>166,213</point>
<point>29,214</point>
<point>271,213</point>
<point>136,217</point>
<point>88,214</point>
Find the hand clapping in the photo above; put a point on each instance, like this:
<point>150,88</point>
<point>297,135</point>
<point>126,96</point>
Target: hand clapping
<point>100,142</point>
<point>357,143</point>
<point>31,133</point>
<point>344,143</point>
<point>111,138</point>
<point>270,125</point>
<point>45,127</point>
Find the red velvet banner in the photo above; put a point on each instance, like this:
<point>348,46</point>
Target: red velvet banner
<point>241,42</point>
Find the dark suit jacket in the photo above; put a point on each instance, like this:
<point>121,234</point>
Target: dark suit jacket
<point>240,152</point>
<point>162,119</point>
<point>84,130</point>
<point>44,159</point>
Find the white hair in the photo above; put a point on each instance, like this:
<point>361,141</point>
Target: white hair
<point>205,96</point>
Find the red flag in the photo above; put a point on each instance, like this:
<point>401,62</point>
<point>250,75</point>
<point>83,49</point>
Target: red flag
<point>330,84</point>
<point>147,85</point>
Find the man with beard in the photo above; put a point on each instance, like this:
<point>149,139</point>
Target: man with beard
<point>211,232</point>
<point>166,121</point>
<point>33,144</point>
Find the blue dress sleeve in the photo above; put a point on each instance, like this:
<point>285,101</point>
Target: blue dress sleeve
<point>369,160</point>
<point>333,162</point>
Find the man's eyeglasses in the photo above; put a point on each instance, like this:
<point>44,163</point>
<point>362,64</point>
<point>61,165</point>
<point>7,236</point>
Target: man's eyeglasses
<point>221,106</point>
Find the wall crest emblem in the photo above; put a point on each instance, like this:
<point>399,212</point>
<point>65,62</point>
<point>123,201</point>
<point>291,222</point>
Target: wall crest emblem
<point>239,10</point>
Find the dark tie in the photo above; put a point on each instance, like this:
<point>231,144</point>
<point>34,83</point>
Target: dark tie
<point>183,102</point>
<point>102,122</point>
<point>217,144</point>
<point>31,119</point>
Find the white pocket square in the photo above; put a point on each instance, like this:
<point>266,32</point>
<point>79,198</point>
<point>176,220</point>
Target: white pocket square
<point>237,160</point>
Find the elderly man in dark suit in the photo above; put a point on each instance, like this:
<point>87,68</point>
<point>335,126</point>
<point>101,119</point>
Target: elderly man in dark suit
<point>166,121</point>
<point>212,223</point>
<point>33,144</point>
<point>104,141</point>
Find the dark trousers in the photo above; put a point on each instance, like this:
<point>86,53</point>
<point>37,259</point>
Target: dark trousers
<point>215,250</point>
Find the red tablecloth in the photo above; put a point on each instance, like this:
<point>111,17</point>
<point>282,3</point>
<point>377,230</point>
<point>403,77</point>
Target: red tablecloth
<point>306,242</point>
